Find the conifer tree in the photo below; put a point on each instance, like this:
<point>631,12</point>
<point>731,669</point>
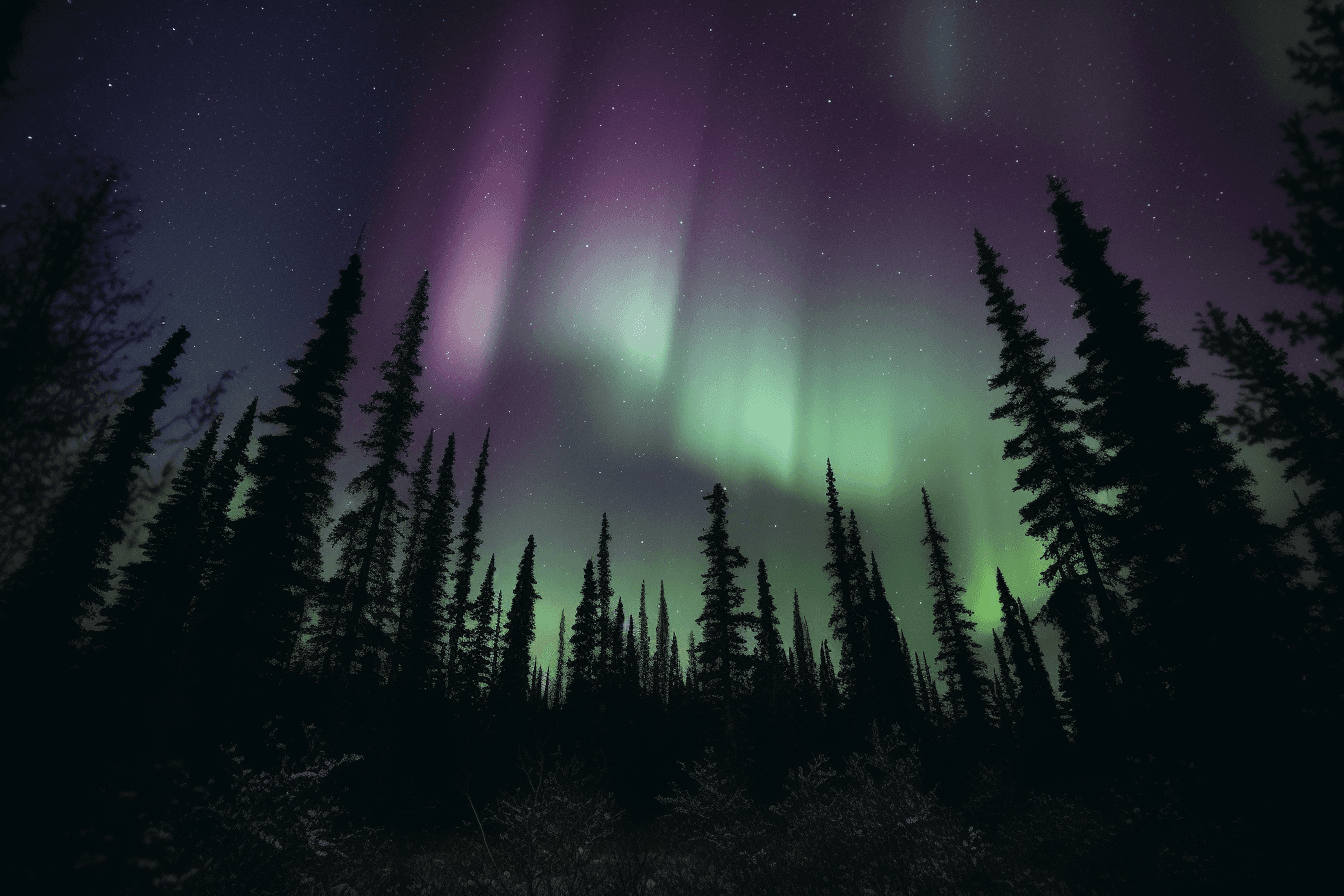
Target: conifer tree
<point>420,649</point>
<point>961,666</point>
<point>520,630</point>
<point>662,668</point>
<point>617,660</point>
<point>1004,676</point>
<point>560,664</point>
<point>829,686</point>
<point>644,682</point>
<point>368,533</point>
<point>604,595</point>
<point>692,668</point>
<point>583,639</point>
<point>768,668</point>
<point>1060,465</point>
<point>1202,564</point>
<point>892,673</point>
<point>422,498</point>
<point>473,667</point>
<point>66,573</point>
<point>226,473</point>
<point>722,655</point>
<point>1034,699</point>
<point>251,619</point>
<point>844,615</point>
<point>468,552</point>
<point>144,628</point>
<point>805,660</point>
<point>676,683</point>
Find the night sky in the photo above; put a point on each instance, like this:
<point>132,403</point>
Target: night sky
<point>672,244</point>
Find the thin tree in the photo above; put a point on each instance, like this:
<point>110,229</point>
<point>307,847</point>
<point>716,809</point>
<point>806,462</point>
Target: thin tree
<point>1063,515</point>
<point>144,628</point>
<point>721,654</point>
<point>468,552</point>
<point>368,534</point>
<point>662,668</point>
<point>520,629</point>
<point>251,616</point>
<point>419,650</point>
<point>960,663</point>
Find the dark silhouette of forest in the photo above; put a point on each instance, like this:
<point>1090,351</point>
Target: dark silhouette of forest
<point>386,729</point>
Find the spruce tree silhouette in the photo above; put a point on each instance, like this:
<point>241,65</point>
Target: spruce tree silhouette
<point>355,626</point>
<point>519,632</point>
<point>473,666</point>
<point>558,692</point>
<point>805,667</point>
<point>768,665</point>
<point>66,574</point>
<point>895,683</point>
<point>605,647</point>
<point>422,498</point>
<point>249,626</point>
<point>1202,564</point>
<point>721,655</point>
<point>144,629</point>
<point>662,667</point>
<point>468,552</point>
<point>420,661</point>
<point>1039,731</point>
<point>844,620</point>
<point>962,668</point>
<point>1063,514</point>
<point>644,657</point>
<point>583,642</point>
<point>226,473</point>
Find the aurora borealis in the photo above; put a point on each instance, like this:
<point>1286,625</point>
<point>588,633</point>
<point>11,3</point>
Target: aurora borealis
<point>672,244</point>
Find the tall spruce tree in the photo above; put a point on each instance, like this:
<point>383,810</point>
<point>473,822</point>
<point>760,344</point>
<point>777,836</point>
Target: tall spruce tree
<point>605,593</point>
<point>722,654</point>
<point>66,573</point>
<point>468,552</point>
<point>473,648</point>
<point>892,673</point>
<point>559,689</point>
<point>845,622</point>
<point>662,668</point>
<point>144,628</point>
<point>961,666</point>
<point>1063,515</point>
<point>1034,700</point>
<point>421,499</point>
<point>419,650</point>
<point>368,534</point>
<point>768,667</point>
<point>1202,563</point>
<point>809,695</point>
<point>520,629</point>
<point>251,616</point>
<point>643,642</point>
<point>583,641</point>
<point>226,474</point>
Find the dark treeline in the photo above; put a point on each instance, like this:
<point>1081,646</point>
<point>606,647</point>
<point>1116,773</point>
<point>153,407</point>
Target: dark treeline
<point>1196,696</point>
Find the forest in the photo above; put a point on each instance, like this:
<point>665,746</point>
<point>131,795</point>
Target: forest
<point>221,715</point>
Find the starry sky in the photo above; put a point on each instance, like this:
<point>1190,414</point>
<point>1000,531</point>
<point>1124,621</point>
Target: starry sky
<point>677,243</point>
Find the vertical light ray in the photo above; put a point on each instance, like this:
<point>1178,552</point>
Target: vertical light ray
<point>477,251</point>
<point>738,405</point>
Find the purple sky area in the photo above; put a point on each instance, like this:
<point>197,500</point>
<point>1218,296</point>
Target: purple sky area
<point>672,244</point>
